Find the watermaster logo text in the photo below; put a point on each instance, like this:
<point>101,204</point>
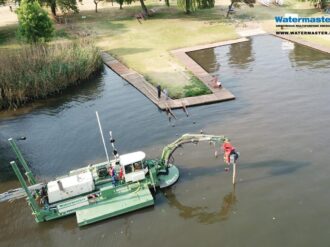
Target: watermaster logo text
<point>322,19</point>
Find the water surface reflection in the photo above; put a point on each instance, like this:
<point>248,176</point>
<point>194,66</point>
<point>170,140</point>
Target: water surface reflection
<point>203,214</point>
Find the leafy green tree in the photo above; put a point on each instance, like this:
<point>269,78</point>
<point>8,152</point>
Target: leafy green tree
<point>67,6</point>
<point>187,5</point>
<point>64,5</point>
<point>143,6</point>
<point>34,22</point>
<point>191,5</point>
<point>121,2</point>
<point>205,4</point>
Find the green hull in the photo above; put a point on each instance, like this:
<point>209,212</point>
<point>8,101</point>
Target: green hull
<point>115,206</point>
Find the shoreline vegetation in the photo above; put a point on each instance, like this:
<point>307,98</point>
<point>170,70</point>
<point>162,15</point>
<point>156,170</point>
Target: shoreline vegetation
<point>37,71</point>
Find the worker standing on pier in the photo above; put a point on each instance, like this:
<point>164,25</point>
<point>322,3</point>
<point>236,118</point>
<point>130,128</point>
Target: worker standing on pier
<point>159,91</point>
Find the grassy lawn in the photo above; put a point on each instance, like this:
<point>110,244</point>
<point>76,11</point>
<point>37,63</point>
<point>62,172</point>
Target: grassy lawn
<point>145,47</point>
<point>321,40</point>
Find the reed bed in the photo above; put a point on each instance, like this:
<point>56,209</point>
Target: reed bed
<point>38,71</point>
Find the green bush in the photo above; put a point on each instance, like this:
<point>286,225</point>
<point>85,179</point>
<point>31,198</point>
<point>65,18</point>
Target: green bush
<point>196,88</point>
<point>39,70</point>
<point>34,22</point>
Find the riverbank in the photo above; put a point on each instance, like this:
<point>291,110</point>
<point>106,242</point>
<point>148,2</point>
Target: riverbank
<point>34,72</point>
<point>145,46</point>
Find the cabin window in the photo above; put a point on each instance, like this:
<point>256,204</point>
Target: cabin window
<point>134,167</point>
<point>137,166</point>
<point>128,169</point>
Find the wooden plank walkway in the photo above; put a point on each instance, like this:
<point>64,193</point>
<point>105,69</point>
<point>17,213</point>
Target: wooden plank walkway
<point>134,78</point>
<point>140,83</point>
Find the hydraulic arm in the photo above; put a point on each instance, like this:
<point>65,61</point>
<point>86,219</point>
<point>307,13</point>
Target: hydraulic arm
<point>188,138</point>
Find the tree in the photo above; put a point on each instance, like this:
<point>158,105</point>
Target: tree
<point>121,2</point>
<point>144,8</point>
<point>64,5</point>
<point>67,6</point>
<point>96,2</point>
<point>205,4</point>
<point>187,5</point>
<point>34,22</point>
<point>191,5</point>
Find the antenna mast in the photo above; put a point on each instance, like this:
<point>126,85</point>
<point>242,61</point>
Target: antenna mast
<point>105,148</point>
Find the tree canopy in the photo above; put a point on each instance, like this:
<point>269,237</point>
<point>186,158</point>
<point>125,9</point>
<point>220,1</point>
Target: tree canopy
<point>187,5</point>
<point>34,22</point>
<point>191,5</point>
<point>64,5</point>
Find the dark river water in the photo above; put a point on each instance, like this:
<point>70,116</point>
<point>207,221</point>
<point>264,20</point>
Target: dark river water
<point>280,123</point>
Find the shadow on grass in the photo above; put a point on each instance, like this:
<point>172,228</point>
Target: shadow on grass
<point>9,39</point>
<point>7,33</point>
<point>127,51</point>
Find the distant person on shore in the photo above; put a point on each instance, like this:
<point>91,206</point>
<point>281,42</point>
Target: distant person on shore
<point>217,83</point>
<point>159,91</point>
<point>165,93</point>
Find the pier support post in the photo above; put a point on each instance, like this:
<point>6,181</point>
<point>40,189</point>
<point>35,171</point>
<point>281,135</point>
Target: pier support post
<point>234,173</point>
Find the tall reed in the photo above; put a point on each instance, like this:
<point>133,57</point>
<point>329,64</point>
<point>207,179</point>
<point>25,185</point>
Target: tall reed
<point>41,70</point>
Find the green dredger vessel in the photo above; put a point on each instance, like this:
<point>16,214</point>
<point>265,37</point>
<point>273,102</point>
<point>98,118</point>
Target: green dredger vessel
<point>104,190</point>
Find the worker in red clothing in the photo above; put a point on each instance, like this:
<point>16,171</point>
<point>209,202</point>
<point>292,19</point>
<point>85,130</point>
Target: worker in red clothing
<point>111,171</point>
<point>121,173</point>
<point>228,151</point>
